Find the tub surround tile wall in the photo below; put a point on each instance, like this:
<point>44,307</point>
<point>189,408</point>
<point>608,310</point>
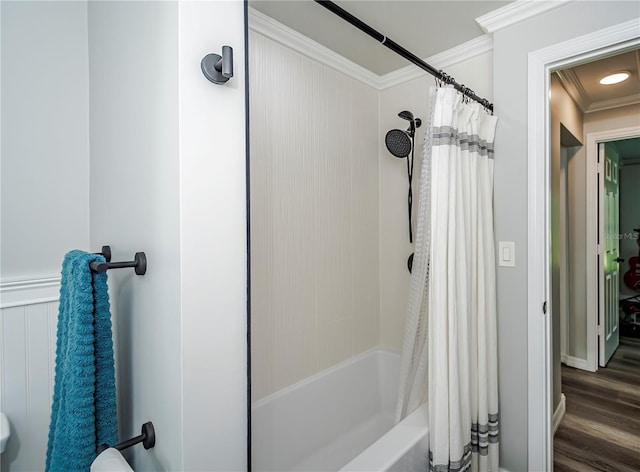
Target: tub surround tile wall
<point>329,224</point>
<point>314,194</point>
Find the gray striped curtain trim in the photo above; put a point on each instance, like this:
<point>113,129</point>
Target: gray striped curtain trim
<point>484,428</point>
<point>448,136</point>
<point>482,435</point>
<point>456,466</point>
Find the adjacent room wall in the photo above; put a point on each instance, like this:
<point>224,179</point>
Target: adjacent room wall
<point>45,137</point>
<point>565,114</point>
<point>608,120</point>
<point>629,217</point>
<point>314,216</point>
<point>510,68</point>
<point>394,233</point>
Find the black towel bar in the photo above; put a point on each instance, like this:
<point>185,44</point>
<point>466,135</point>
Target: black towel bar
<point>139,262</point>
<point>147,438</point>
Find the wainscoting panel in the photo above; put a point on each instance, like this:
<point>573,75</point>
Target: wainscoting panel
<point>27,359</point>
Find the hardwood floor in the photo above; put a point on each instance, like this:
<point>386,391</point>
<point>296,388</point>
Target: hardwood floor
<point>601,428</point>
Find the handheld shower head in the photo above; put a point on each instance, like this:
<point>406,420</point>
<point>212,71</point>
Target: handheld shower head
<point>398,142</point>
<point>406,115</point>
<point>413,122</point>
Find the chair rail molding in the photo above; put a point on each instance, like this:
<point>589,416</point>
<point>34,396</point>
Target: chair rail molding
<point>29,291</point>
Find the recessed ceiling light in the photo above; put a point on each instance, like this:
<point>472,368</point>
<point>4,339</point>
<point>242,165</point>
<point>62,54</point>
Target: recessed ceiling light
<point>615,78</point>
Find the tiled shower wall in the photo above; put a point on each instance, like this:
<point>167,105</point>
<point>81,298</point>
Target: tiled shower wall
<point>314,216</point>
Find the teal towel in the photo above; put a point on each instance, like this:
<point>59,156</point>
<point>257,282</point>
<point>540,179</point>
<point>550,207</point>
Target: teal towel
<point>83,414</point>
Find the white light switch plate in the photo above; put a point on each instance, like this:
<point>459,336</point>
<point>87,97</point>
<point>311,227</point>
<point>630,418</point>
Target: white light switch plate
<point>507,254</point>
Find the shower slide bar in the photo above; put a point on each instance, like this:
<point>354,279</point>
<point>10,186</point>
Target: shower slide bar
<point>139,263</point>
<point>395,47</point>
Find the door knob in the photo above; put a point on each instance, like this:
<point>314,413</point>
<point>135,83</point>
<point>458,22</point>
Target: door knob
<point>619,260</point>
<point>218,69</point>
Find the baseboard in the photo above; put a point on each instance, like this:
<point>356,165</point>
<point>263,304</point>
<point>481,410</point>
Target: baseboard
<point>559,413</point>
<point>575,362</point>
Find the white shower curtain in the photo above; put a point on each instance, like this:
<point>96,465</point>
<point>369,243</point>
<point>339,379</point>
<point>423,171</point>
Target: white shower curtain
<point>450,347</point>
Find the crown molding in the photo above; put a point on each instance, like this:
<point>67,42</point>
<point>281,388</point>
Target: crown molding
<point>515,12</point>
<point>272,29</point>
<point>613,103</point>
<point>443,60</point>
<point>574,88</point>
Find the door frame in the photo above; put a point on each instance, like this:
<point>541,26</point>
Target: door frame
<point>539,346</point>
<point>593,230</point>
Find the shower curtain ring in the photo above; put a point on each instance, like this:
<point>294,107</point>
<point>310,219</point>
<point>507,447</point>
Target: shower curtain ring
<point>463,91</point>
<point>471,92</point>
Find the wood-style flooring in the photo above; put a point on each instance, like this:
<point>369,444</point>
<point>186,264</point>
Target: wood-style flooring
<point>601,428</point>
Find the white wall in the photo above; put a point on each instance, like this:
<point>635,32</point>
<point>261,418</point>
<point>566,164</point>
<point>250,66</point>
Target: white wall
<point>173,146</point>
<point>213,233</point>
<point>45,137</point>
<point>27,355</point>
<point>394,234</point>
<point>45,204</point>
<point>314,216</point>
<point>510,55</point>
<point>133,60</point>
<point>167,177</point>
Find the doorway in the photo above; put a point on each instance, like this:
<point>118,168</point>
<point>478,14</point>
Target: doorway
<point>587,264</point>
<point>539,328</point>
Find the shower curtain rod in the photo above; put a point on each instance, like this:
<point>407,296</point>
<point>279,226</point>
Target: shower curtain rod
<point>395,47</point>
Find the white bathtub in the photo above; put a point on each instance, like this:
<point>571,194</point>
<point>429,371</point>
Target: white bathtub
<point>340,419</point>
